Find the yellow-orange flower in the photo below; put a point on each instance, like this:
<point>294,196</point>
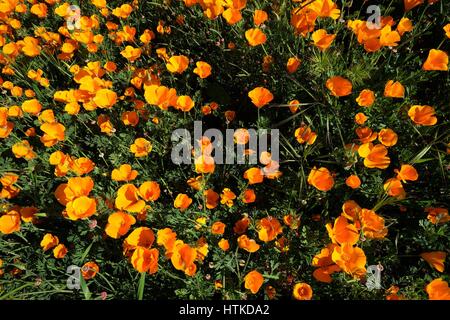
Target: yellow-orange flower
<point>438,290</point>
<point>89,270</point>
<point>60,251</point>
<point>353,181</point>
<point>351,260</point>
<point>422,115</point>
<point>366,98</point>
<point>293,64</point>
<point>302,291</point>
<point>49,241</point>
<point>437,60</point>
<point>218,227</point>
<point>127,199</point>
<point>254,175</point>
<point>435,259</point>
<point>255,37</point>
<point>322,39</point>
<point>260,96</point>
<point>203,69</point>
<point>124,173</point>
<point>387,137</point>
<point>304,134</point>
<point>372,224</point>
<point>253,281</point>
<point>145,260</point>
<point>177,64</point>
<point>131,53</point>
<point>182,201</point>
<point>141,147</point>
<point>149,191</point>
<point>119,224</point>
<point>321,179</point>
<point>268,229</point>
<point>10,222</point>
<point>247,244</point>
<point>339,86</point>
<point>394,89</point>
<point>374,156</point>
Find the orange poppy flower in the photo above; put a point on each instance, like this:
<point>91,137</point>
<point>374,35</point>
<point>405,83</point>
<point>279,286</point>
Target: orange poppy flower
<point>438,290</point>
<point>407,173</point>
<point>119,224</point>
<point>437,215</point>
<point>302,291</point>
<point>321,179</point>
<point>227,197</point>
<point>241,225</point>
<point>177,64</point>
<point>268,229</point>
<point>437,60</point>
<point>184,103</point>
<point>360,118</point>
<point>342,231</point>
<point>260,96</point>
<point>160,96</point>
<point>447,30</point>
<point>366,98</point>
<point>32,106</point>
<point>141,147</point>
<point>53,132</point>
<point>394,89</point>
<point>124,173</point>
<point>435,259</point>
<point>182,201</point>
<point>232,16</point>
<point>372,224</point>
<point>183,257</point>
<point>10,222</point>
<point>248,196</point>
<point>339,86</point>
<point>140,237</point>
<point>387,137</point>
<point>247,244</point>
<point>89,270</point>
<point>144,260</point>
<point>218,227</point>
<point>60,251</point>
<point>212,198</point>
<point>255,37</point>
<point>253,281</point>
<point>410,4</point>
<point>259,17</point>
<point>254,175</point>
<point>325,8</point>
<point>353,181</point>
<point>405,25</point>
<point>105,98</point>
<point>149,191</point>
<point>127,199</point>
<point>203,69</point>
<point>23,149</point>
<point>422,115</point>
<point>322,39</point>
<point>304,134</point>
<point>224,244</point>
<point>351,260</point>
<point>40,10</point>
<point>81,208</point>
<point>394,188</point>
<point>293,64</point>
<point>49,241</point>
<point>374,156</point>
